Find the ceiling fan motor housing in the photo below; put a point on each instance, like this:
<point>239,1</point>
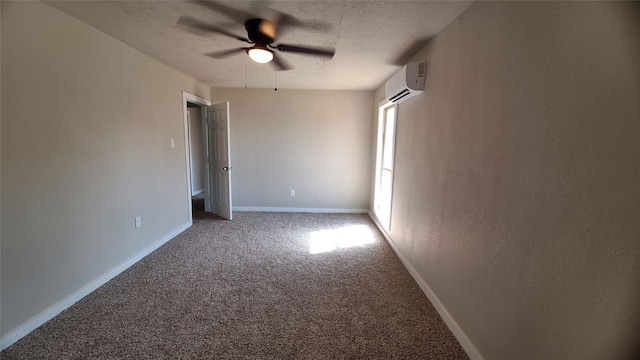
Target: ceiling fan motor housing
<point>260,31</point>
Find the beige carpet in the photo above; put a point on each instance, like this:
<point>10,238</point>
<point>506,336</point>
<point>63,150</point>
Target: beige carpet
<point>263,286</point>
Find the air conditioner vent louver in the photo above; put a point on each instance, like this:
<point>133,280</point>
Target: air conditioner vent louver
<point>399,96</point>
<point>406,83</point>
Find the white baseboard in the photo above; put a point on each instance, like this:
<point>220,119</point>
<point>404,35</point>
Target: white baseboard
<point>56,309</point>
<point>468,347</point>
<point>300,210</point>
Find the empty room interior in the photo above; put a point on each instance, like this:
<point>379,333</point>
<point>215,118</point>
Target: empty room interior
<point>500,197</point>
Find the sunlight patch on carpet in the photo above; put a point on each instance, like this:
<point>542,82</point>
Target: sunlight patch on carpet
<point>345,237</point>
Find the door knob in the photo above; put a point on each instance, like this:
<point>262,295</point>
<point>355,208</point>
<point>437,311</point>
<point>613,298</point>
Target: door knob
<point>227,168</point>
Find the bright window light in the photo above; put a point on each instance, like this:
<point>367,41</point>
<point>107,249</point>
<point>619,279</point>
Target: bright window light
<point>384,165</point>
<point>345,237</point>
<point>260,55</point>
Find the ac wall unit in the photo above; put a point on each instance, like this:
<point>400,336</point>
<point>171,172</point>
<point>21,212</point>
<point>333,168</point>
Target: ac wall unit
<point>406,83</point>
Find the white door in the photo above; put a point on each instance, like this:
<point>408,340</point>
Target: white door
<point>218,168</point>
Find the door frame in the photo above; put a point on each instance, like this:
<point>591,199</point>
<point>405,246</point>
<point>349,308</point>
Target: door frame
<point>204,103</point>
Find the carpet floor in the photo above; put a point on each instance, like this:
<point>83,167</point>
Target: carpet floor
<point>263,286</point>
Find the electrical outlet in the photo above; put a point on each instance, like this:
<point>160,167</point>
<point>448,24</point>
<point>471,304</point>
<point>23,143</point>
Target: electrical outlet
<point>292,193</point>
<point>138,222</point>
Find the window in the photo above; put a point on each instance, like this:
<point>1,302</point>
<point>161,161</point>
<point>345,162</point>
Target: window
<point>384,164</point>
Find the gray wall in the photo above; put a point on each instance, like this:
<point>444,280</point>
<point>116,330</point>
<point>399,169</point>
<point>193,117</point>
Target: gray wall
<point>86,129</point>
<point>197,152</point>
<point>315,142</point>
<point>516,195</point>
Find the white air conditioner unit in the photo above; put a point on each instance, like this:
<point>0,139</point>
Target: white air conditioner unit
<point>406,83</point>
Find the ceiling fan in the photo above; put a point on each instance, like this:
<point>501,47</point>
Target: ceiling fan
<point>261,35</point>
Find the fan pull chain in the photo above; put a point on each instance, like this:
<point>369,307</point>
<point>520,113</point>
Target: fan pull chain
<point>245,73</point>
<point>275,85</point>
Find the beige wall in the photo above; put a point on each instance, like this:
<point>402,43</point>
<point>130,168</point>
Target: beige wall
<point>315,142</point>
<point>516,194</point>
<point>86,129</point>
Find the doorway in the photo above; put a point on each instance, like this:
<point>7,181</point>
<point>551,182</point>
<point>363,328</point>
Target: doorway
<point>196,150</point>
<point>196,156</point>
<point>215,174</point>
<point>194,109</point>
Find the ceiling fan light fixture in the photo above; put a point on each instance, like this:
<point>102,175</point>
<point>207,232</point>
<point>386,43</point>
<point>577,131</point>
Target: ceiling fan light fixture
<point>260,55</point>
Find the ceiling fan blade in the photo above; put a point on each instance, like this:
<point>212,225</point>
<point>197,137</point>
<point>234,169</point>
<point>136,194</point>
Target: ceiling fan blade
<point>317,51</point>
<point>281,64</point>
<point>225,53</point>
<point>283,21</point>
<point>286,22</point>
<point>236,14</point>
<point>200,27</point>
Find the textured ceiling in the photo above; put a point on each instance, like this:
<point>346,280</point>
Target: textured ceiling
<point>371,38</point>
